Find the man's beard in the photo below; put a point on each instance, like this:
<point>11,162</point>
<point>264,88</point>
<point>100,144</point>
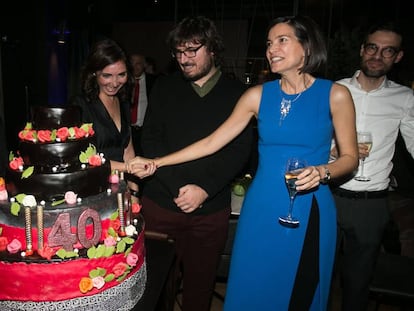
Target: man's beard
<point>377,73</point>
<point>202,73</point>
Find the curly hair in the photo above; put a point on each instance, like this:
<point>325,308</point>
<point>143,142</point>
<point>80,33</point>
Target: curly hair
<point>197,30</point>
<point>102,54</point>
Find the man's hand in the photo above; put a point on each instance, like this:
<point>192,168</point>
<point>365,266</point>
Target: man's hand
<point>190,197</point>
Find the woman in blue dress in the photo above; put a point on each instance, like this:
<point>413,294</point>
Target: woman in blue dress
<point>275,267</point>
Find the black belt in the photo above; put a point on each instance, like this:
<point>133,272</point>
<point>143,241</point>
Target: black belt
<point>360,194</point>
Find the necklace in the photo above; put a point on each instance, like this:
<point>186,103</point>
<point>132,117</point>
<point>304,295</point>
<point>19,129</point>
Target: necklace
<point>286,104</point>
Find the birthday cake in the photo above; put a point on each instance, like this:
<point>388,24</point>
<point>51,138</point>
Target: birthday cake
<point>70,238</point>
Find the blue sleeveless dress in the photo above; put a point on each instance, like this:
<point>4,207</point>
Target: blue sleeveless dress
<point>270,263</point>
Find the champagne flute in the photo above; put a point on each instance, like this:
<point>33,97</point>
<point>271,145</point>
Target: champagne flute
<point>364,138</point>
<point>294,167</point>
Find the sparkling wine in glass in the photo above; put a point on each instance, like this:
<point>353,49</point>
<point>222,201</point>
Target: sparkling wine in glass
<point>294,167</point>
<point>366,139</point>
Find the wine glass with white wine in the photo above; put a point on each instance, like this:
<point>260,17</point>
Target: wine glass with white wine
<point>294,167</point>
<point>364,138</point>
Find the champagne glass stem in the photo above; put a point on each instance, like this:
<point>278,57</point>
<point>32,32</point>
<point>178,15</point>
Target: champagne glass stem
<point>362,166</point>
<point>289,215</point>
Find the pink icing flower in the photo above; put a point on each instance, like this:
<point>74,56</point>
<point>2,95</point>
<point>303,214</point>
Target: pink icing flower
<point>70,197</point>
<point>44,136</point>
<point>114,179</point>
<point>95,160</point>
<point>132,259</point>
<point>16,163</point>
<point>110,241</point>
<point>98,282</point>
<point>119,269</point>
<point>3,195</point>
<point>14,246</point>
<point>62,133</point>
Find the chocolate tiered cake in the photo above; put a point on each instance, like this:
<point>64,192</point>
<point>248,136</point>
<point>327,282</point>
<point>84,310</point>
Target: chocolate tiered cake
<point>70,238</point>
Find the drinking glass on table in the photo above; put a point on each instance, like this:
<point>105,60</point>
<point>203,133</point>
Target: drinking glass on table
<point>364,138</point>
<point>294,167</point>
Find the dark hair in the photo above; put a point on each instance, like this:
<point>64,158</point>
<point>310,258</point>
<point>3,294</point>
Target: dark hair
<point>385,26</point>
<point>102,54</point>
<point>198,30</point>
<point>310,37</point>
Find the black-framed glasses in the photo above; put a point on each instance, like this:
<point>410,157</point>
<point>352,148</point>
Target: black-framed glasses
<point>387,52</point>
<point>190,52</point>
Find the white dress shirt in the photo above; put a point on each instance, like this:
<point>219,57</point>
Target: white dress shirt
<point>382,112</point>
<point>142,100</point>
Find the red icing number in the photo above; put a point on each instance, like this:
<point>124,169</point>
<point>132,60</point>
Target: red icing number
<point>61,234</point>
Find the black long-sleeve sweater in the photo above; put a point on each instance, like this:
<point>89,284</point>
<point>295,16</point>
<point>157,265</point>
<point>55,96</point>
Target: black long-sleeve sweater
<point>177,117</point>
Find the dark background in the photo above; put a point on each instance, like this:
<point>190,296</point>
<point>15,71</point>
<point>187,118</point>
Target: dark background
<point>35,70</point>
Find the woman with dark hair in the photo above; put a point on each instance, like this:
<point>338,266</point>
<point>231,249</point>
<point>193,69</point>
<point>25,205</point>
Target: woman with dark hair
<point>106,81</point>
<point>274,266</point>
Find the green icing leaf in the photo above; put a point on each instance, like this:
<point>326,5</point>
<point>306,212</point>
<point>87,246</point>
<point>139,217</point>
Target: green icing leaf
<point>83,158</point>
<point>94,273</point>
<point>109,277</point>
<point>100,251</point>
<point>111,232</point>
<point>53,135</point>
<point>128,251</point>
<point>109,251</point>
<point>71,131</point>
<point>101,271</point>
<point>28,172</point>
<point>128,240</point>
<point>114,215</point>
<point>120,247</point>
<point>120,279</point>
<point>71,254</point>
<point>20,197</point>
<point>11,156</point>
<point>86,126</point>
<point>57,202</point>
<point>15,209</point>
<point>61,253</point>
<point>91,252</point>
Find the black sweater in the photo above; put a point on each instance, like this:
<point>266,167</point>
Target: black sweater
<point>177,117</point>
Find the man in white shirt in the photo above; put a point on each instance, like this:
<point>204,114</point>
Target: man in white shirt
<point>383,108</point>
<point>140,97</point>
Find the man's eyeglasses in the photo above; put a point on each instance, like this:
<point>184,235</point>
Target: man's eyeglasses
<point>387,52</point>
<point>190,52</point>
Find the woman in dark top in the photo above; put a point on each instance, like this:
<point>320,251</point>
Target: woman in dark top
<point>106,81</point>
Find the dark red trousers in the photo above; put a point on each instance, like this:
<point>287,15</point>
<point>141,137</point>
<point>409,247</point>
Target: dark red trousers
<point>199,241</point>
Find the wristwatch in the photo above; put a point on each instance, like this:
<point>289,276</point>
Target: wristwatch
<point>326,177</point>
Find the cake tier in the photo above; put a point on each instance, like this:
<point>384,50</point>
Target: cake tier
<point>49,186</point>
<point>122,297</point>
<point>53,118</point>
<point>47,282</point>
<point>57,154</point>
<point>83,262</point>
<point>105,203</point>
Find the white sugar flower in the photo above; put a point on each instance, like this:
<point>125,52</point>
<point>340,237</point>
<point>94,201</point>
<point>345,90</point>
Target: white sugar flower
<point>30,201</point>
